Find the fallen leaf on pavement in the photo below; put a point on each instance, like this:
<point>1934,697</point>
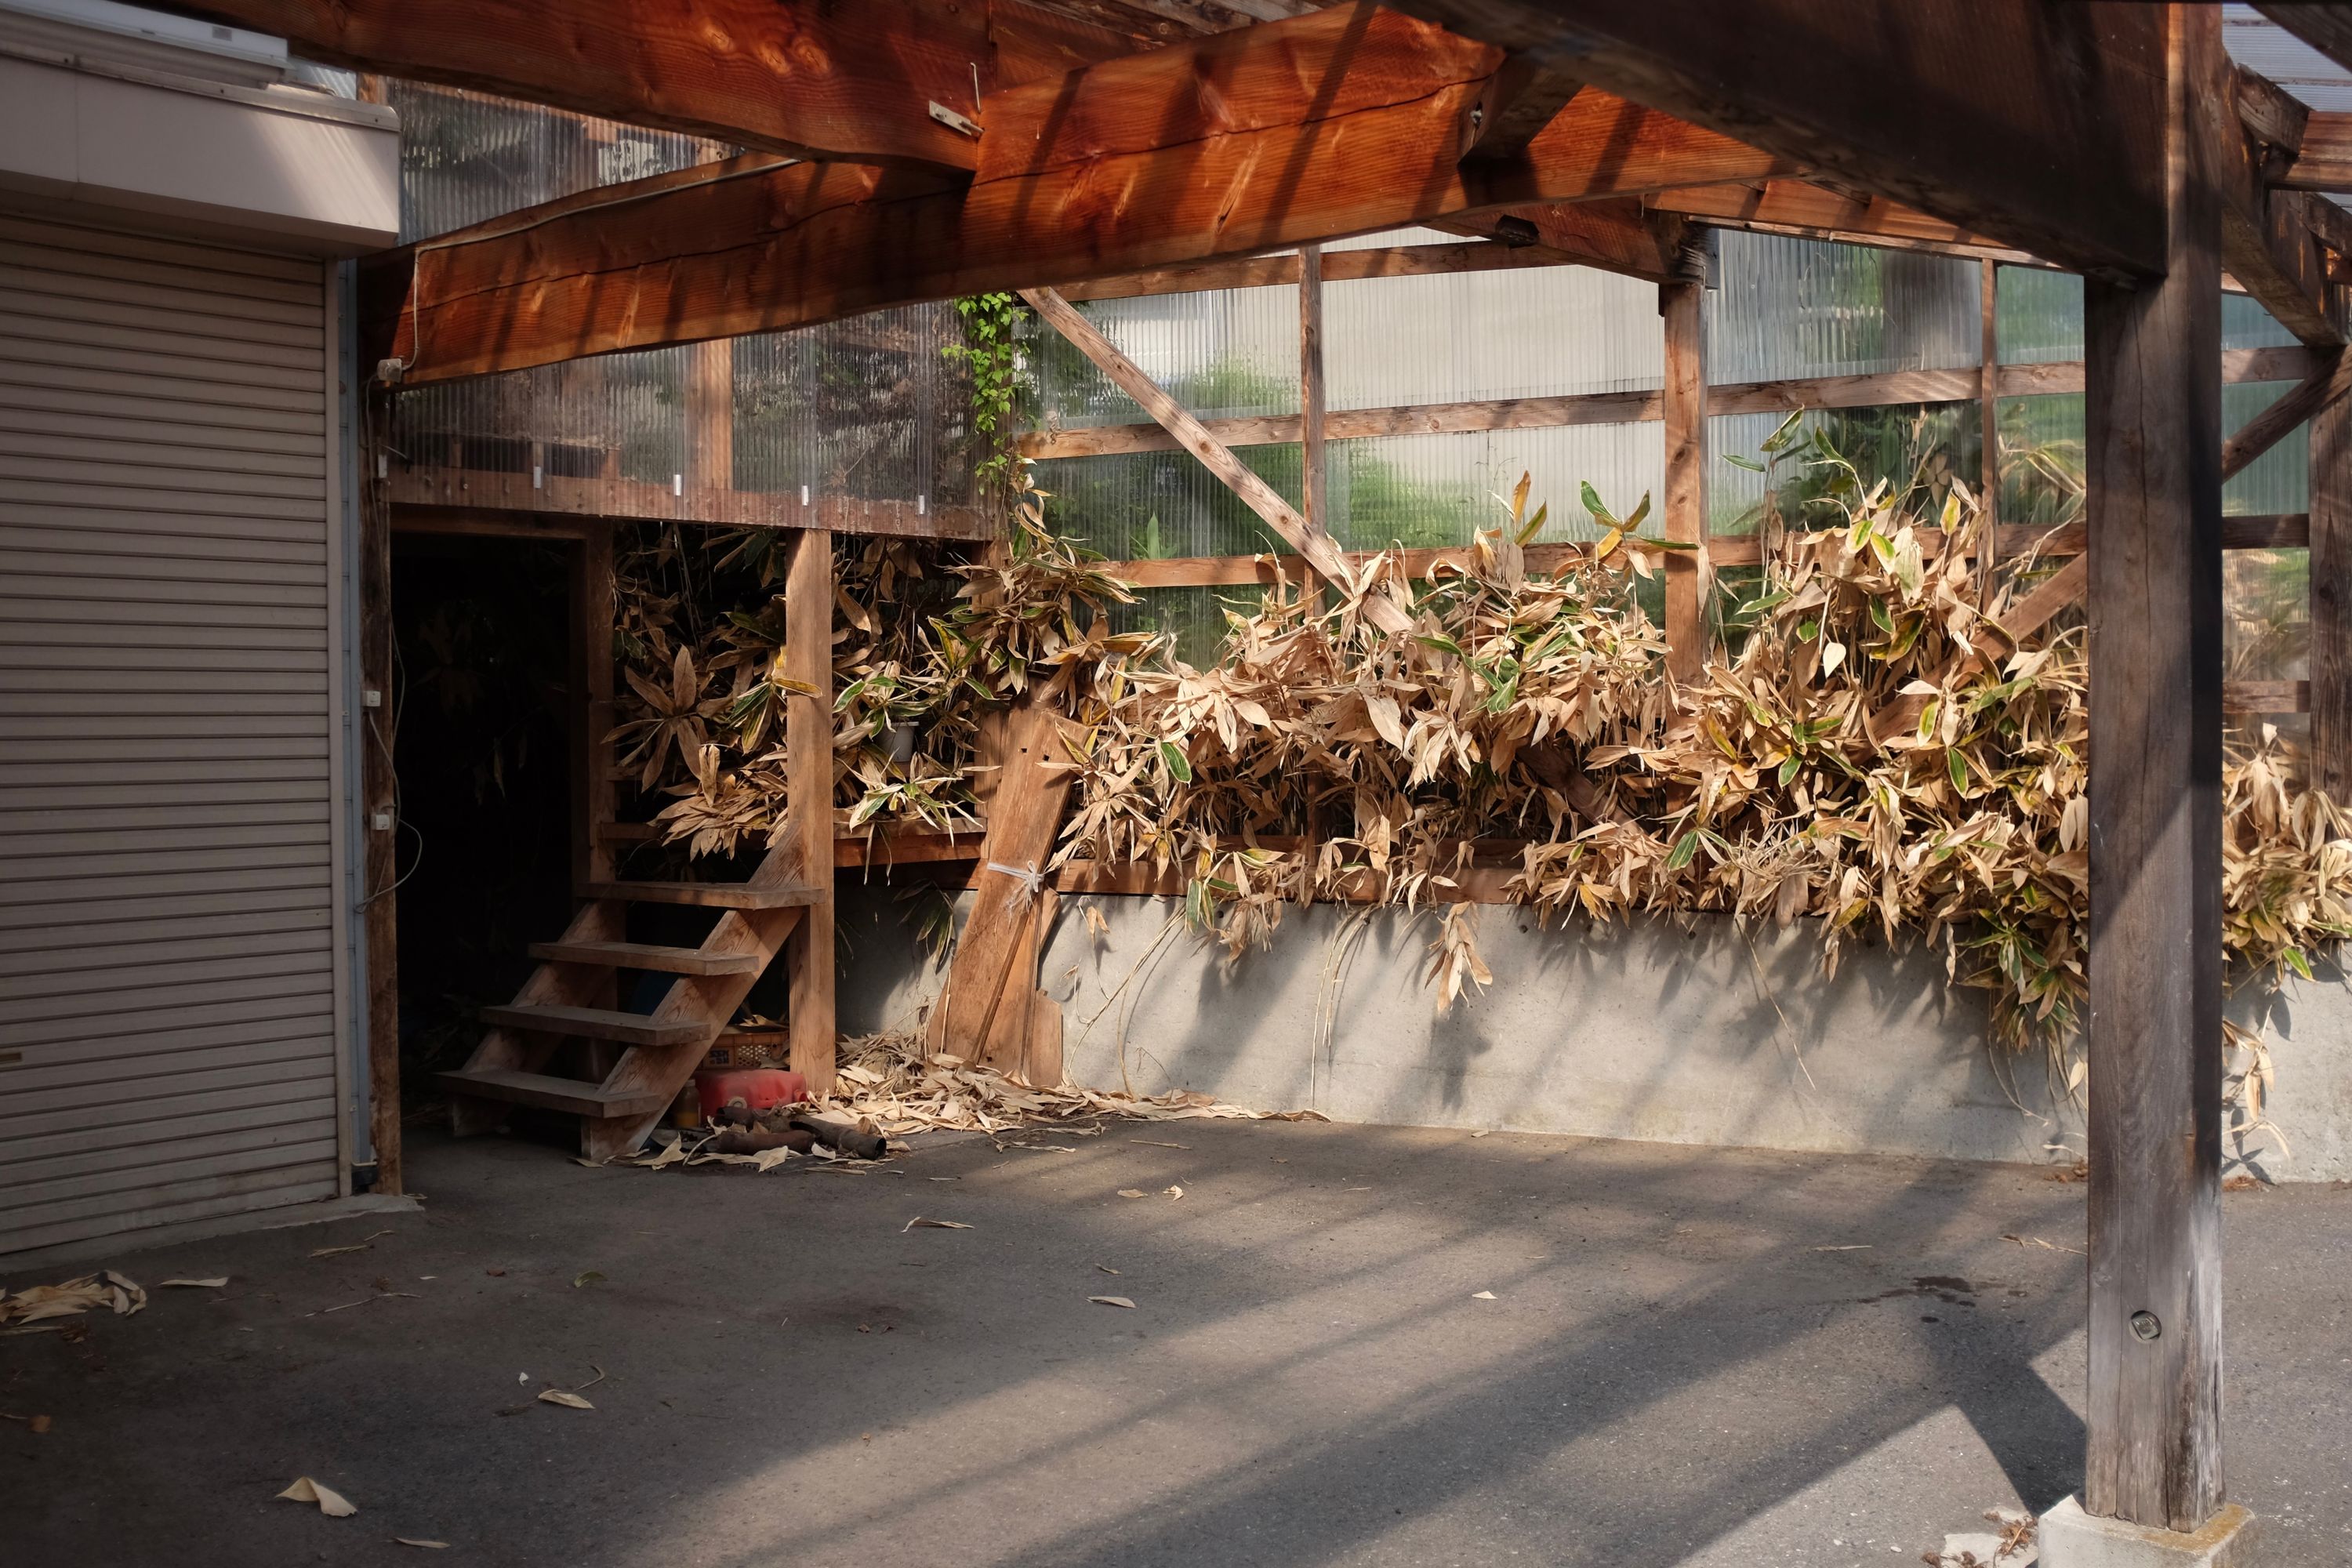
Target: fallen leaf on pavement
<point>1172,1194</point>
<point>1484,1296</point>
<point>1106,1269</point>
<point>360,1245</point>
<point>586,1277</point>
<point>564,1397</point>
<point>1113,1302</point>
<point>331,1503</point>
<point>38,1425</point>
<point>1130,1192</point>
<point>918,1221</point>
<point>429,1545</point>
<point>1160,1143</point>
<point>196,1284</point>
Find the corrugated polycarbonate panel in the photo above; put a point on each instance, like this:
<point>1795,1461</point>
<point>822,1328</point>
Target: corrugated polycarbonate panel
<point>2040,319</point>
<point>166,963</point>
<point>1784,308</point>
<point>467,157</point>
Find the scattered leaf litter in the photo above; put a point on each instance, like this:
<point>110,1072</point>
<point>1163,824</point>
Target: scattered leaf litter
<point>106,1289</point>
<point>1484,1296</point>
<point>428,1546</point>
<point>196,1284</point>
<point>1113,1302</point>
<point>920,1223</point>
<point>1132,1193</point>
<point>331,1502</point>
<point>889,1084</point>
<point>360,1245</point>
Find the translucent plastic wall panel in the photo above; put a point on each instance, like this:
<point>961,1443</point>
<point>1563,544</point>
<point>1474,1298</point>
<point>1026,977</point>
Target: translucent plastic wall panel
<point>869,408</point>
<point>1929,444</point>
<point>2278,480</point>
<point>466,156</point>
<point>1195,617</point>
<point>1463,337</point>
<point>2042,455</point>
<point>2039,316</point>
<point>2042,458</point>
<point>1149,506</point>
<point>1785,308</point>
<point>1418,492</point>
<point>620,416</point>
<point>2267,595</point>
<point>1223,353</point>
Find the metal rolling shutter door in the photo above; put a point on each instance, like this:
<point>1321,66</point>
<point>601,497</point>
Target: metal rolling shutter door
<point>166,965</point>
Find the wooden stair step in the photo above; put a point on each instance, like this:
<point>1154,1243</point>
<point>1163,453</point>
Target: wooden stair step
<point>707,895</point>
<point>645,955</point>
<point>599,1024</point>
<point>551,1093</point>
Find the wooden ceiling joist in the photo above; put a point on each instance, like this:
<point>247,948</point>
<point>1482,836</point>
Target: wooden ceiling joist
<point>2040,125</point>
<point>1341,122</point>
<point>807,78</point>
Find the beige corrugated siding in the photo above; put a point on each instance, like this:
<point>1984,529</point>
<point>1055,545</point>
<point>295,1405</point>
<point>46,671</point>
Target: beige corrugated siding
<point>166,889</point>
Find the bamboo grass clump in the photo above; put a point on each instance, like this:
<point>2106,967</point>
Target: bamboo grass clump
<point>1319,758</point>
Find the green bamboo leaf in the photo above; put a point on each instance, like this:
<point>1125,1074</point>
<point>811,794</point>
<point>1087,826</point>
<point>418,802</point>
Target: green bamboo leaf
<point>1685,848</point>
<point>1959,765</point>
<point>1592,504</point>
<point>2296,962</point>
<point>1789,770</point>
<point>1640,512</point>
<point>1177,764</point>
<point>1750,464</point>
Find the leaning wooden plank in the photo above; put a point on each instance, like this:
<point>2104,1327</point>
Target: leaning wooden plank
<point>1024,817</point>
<point>1312,542</point>
<point>1336,123</point>
<point>801,77</point>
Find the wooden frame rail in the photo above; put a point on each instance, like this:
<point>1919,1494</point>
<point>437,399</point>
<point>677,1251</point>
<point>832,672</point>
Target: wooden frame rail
<point>1964,385</point>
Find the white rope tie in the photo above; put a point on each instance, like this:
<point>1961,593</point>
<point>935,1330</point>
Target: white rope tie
<point>1028,882</point>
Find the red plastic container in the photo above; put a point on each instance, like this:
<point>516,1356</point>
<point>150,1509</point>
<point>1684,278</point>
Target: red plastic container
<point>756,1088</point>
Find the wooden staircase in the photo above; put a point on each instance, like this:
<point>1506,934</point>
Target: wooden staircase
<point>784,909</point>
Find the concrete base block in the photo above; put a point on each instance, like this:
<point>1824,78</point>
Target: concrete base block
<point>2069,1538</point>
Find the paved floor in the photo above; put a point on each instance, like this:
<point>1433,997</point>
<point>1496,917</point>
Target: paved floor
<point>1692,1357</point>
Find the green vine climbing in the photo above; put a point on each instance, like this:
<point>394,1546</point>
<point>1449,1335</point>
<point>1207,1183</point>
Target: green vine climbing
<point>991,355</point>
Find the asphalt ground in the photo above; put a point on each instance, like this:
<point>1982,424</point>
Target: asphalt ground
<point>1691,1356</point>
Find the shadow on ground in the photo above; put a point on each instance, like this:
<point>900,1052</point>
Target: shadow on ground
<point>1691,1357</point>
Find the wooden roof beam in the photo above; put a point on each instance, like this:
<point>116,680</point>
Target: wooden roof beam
<point>806,78</point>
<point>1813,212</point>
<point>2277,243</point>
<point>2040,125</point>
<point>1342,123</point>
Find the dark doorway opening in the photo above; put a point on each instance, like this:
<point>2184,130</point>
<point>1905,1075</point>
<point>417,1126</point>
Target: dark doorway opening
<point>483,632</point>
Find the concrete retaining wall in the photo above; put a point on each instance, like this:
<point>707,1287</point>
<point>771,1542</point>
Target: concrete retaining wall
<point>1646,1031</point>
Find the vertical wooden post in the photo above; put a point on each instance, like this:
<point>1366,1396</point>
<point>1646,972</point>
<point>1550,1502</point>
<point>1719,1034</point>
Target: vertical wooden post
<point>1988,419</point>
<point>2331,599</point>
<point>1682,305</point>
<point>1315,488</point>
<point>808,789</point>
<point>379,803</point>
<point>2153,423</point>
<point>710,416</point>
